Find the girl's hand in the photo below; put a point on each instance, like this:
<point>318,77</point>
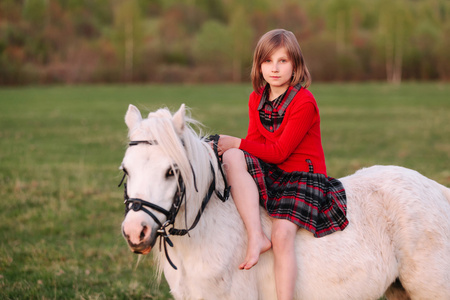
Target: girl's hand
<point>227,142</point>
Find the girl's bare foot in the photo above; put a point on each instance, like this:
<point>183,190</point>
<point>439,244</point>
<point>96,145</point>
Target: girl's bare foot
<point>256,246</point>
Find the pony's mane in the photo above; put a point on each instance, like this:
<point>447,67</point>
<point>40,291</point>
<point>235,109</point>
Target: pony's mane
<point>189,152</point>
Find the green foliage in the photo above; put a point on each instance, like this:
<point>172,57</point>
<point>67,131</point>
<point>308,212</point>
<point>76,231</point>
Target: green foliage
<point>74,41</point>
<point>35,11</point>
<point>128,35</point>
<point>61,147</point>
<point>213,43</point>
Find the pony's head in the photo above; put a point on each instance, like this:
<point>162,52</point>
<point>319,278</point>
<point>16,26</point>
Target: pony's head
<point>155,162</point>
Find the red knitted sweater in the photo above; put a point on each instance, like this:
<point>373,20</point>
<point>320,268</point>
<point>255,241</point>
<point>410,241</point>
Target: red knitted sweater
<point>297,139</point>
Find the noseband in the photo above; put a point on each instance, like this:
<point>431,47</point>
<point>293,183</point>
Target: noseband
<point>137,204</point>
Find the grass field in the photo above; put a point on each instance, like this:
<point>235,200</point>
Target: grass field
<point>60,148</point>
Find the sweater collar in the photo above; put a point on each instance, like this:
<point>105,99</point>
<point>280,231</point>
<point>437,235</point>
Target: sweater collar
<point>290,94</point>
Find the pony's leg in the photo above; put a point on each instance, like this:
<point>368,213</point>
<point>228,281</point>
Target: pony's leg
<point>246,197</point>
<point>283,240</point>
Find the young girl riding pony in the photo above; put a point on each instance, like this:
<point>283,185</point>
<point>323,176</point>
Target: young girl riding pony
<point>280,164</point>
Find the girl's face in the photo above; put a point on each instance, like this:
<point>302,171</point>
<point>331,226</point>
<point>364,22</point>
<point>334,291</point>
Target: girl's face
<point>277,69</point>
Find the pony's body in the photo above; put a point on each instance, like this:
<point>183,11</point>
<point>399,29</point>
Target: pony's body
<point>399,229</point>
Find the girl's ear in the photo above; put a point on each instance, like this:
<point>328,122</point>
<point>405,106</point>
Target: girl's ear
<point>179,120</point>
<point>132,117</point>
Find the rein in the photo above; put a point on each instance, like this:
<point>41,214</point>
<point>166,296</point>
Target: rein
<point>226,192</point>
<point>138,204</point>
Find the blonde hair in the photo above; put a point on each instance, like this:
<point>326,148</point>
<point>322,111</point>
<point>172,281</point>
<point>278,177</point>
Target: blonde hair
<point>270,42</point>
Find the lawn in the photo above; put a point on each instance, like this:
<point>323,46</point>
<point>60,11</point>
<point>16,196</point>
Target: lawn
<point>61,210</point>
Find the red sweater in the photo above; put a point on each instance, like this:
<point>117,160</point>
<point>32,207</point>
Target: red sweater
<point>297,139</point>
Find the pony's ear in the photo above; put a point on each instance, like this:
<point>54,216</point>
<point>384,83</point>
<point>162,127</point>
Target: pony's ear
<point>132,117</point>
<point>178,119</point>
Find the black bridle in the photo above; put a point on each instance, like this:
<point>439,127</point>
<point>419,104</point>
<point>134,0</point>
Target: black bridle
<point>137,204</point>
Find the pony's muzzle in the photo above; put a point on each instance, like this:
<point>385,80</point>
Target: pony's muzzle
<point>138,237</point>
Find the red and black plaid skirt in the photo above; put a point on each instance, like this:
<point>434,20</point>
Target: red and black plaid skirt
<point>312,201</point>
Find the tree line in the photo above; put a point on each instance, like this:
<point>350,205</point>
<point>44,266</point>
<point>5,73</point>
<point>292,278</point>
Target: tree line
<point>102,41</point>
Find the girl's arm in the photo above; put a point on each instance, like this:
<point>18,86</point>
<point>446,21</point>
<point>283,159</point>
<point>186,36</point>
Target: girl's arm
<point>253,134</point>
<point>296,128</point>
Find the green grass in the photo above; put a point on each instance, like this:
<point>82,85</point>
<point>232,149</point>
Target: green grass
<point>60,147</point>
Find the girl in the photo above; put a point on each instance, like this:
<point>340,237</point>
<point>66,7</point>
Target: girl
<point>283,155</point>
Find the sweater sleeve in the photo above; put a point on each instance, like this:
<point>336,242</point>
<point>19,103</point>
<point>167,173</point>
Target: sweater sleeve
<point>253,134</point>
<point>299,123</point>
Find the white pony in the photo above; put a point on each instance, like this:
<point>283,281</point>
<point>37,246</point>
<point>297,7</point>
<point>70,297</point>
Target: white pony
<point>397,243</point>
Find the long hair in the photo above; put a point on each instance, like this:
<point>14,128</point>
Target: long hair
<point>270,42</point>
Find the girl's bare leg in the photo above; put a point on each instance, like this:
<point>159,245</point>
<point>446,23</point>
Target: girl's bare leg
<point>246,197</point>
<point>283,239</point>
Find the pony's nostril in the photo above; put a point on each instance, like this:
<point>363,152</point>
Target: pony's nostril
<point>143,232</point>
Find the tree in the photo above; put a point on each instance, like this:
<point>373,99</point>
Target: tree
<point>241,35</point>
<point>213,44</point>
<point>394,21</point>
<point>35,11</point>
<point>128,34</point>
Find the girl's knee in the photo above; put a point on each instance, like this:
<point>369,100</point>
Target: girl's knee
<point>283,233</point>
<point>233,156</point>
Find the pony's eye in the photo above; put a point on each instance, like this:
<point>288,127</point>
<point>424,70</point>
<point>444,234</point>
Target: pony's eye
<point>170,173</point>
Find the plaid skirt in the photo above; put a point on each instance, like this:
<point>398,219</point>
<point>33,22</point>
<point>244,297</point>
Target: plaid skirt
<point>313,201</point>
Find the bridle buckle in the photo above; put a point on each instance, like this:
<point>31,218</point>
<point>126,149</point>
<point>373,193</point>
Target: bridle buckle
<point>162,230</point>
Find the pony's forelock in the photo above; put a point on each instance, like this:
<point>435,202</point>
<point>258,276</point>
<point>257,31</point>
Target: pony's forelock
<point>182,149</point>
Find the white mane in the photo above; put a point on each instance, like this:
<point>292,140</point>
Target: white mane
<point>186,149</point>
<point>188,152</point>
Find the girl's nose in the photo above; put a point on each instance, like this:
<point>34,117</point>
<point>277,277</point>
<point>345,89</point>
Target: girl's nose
<point>275,67</point>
